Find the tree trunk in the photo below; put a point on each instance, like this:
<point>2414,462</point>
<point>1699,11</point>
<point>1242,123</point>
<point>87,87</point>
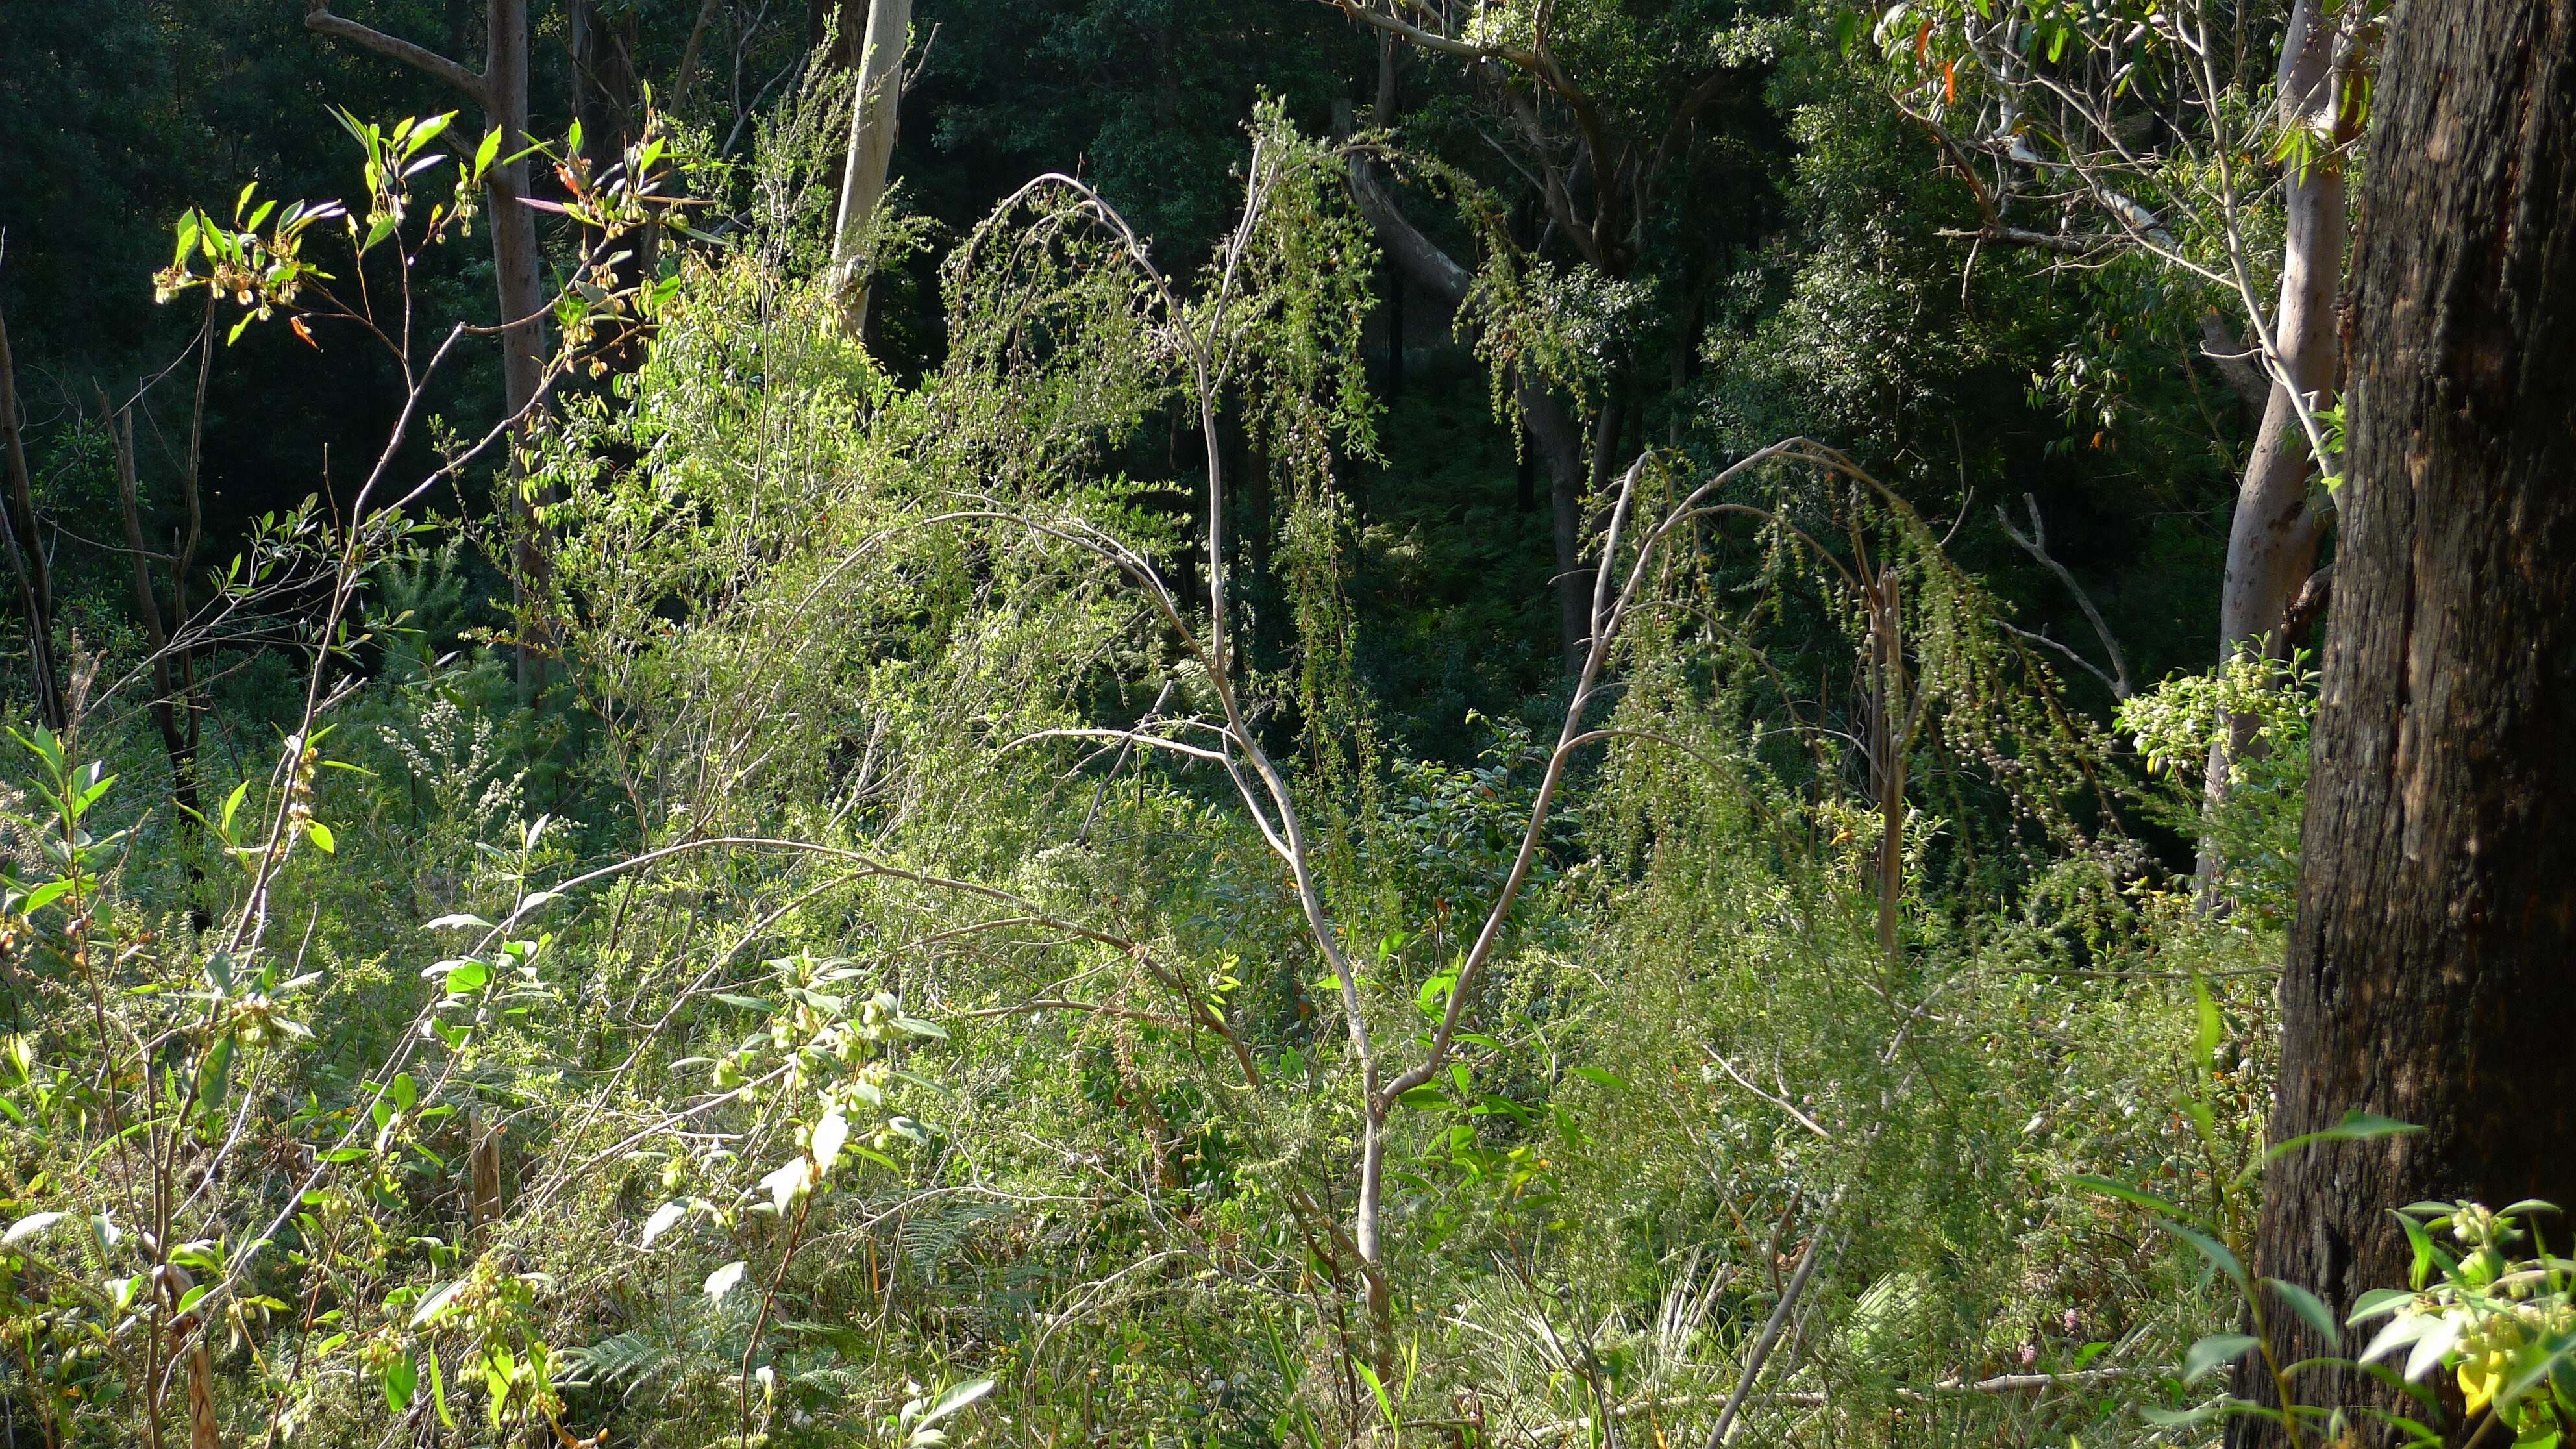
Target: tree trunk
<point>2273,538</point>
<point>501,92</point>
<point>26,551</point>
<point>605,94</point>
<point>1552,430</point>
<point>1560,444</point>
<point>515,273</point>
<point>872,127</point>
<point>166,699</point>
<point>2428,975</point>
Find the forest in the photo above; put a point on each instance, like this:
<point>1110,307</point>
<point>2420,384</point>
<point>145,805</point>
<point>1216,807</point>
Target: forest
<point>1570,724</point>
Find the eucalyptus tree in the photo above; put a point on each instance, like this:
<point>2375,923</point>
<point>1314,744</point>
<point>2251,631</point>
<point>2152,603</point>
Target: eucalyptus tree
<point>500,91</point>
<point>2427,977</point>
<point>2160,131</point>
<point>874,111</point>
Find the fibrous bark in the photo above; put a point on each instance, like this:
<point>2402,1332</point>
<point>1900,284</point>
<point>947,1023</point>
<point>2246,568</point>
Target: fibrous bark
<point>2428,976</point>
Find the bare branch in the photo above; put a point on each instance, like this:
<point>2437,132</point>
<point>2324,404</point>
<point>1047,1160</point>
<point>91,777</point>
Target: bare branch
<point>2035,543</point>
<point>2302,614</point>
<point>2235,361</point>
<point>1770,1338</point>
<point>1777,1101</point>
<point>1432,39</point>
<point>319,19</point>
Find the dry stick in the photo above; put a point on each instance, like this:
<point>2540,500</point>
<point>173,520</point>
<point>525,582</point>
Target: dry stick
<point>1770,1338</point>
<point>803,1210</point>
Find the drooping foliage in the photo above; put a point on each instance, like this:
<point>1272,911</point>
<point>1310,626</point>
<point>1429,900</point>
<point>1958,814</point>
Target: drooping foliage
<point>1050,896</point>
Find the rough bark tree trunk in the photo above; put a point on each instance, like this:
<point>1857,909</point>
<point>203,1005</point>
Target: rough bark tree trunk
<point>1559,440</point>
<point>2428,974</point>
<point>167,702</point>
<point>515,271</point>
<point>872,131</point>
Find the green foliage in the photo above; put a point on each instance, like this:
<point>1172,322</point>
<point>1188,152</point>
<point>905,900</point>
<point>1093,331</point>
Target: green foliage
<point>2263,708</point>
<point>897,984</point>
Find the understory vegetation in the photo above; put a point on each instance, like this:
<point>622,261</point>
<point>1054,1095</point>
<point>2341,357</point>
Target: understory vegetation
<point>1059,895</point>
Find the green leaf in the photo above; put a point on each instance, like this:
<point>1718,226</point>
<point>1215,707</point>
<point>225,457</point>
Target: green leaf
<point>1385,1405</point>
<point>1425,1097</point>
<point>2215,1352</point>
<point>28,1227</point>
<point>829,1135</point>
<point>401,1375</point>
<point>2184,1418</point>
<point>468,976</point>
<point>2439,1337</point>
<point>429,1312</point>
<point>98,787</point>
<point>438,1391</point>
<point>2311,1310</point>
<point>955,1399</point>
<point>427,131</point>
<point>2426,1255</point>
<point>2376,1302</point>
<point>321,836</point>
<point>214,1074</point>
<point>2135,1196</point>
<point>2356,1126</point>
<point>662,1220</point>
<point>2398,1333</point>
<point>1598,1077</point>
<point>2215,1251</point>
<point>2211,1030</point>
<point>722,1281</point>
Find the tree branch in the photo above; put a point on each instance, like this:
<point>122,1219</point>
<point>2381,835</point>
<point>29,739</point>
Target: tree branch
<point>2069,244</point>
<point>1431,39</point>
<point>2235,361</point>
<point>319,19</point>
<point>1424,264</point>
<point>2302,614</point>
<point>2035,543</point>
